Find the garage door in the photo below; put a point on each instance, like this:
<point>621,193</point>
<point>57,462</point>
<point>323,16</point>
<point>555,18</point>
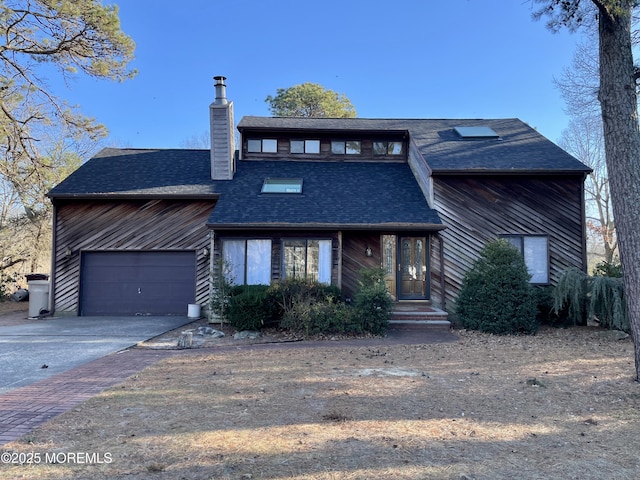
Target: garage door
<point>137,283</point>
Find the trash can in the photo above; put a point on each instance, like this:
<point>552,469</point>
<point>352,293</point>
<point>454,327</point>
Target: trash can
<point>38,295</point>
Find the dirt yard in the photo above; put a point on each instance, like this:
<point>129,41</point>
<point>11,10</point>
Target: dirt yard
<point>561,404</point>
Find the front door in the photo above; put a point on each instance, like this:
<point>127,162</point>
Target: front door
<point>412,268</point>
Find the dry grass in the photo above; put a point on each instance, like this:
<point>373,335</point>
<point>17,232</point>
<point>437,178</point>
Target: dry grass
<point>561,404</point>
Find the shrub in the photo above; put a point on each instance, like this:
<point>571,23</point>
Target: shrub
<point>321,317</point>
<point>600,297</point>
<point>372,302</point>
<point>286,294</point>
<point>7,285</point>
<point>608,269</point>
<point>249,307</point>
<point>496,296</point>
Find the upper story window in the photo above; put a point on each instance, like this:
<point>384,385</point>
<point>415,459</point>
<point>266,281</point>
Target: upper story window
<point>387,148</point>
<point>305,146</point>
<point>262,145</point>
<point>350,147</point>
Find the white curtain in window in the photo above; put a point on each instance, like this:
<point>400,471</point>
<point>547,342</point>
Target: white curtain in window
<point>536,257</point>
<point>324,261</point>
<point>258,262</point>
<point>233,254</point>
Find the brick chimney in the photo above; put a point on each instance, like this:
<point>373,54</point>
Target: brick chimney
<point>222,134</point>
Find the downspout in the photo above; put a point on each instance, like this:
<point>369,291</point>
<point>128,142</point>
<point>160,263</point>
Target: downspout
<point>443,296</point>
<point>585,260</point>
<point>54,247</point>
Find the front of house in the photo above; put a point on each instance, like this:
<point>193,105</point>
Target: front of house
<point>139,231</point>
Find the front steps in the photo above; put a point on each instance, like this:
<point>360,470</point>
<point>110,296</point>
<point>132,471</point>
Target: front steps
<point>418,315</point>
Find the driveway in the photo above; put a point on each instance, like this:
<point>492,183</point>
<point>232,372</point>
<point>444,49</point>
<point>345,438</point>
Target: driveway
<point>67,342</point>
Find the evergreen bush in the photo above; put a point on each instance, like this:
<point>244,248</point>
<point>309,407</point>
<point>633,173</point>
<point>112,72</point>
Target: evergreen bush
<point>579,296</point>
<point>496,296</point>
<point>249,307</point>
<point>373,303</point>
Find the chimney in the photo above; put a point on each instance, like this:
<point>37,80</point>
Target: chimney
<point>222,134</point>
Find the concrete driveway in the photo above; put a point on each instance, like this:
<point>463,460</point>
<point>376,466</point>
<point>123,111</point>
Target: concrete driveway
<point>67,342</point>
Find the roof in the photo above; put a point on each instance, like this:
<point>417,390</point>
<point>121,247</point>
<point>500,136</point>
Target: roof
<point>135,173</point>
<point>518,149</point>
<point>337,195</point>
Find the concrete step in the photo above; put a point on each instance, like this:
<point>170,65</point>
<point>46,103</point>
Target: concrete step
<point>418,315</point>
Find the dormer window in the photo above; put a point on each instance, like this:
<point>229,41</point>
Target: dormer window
<point>282,185</point>
<point>387,148</point>
<point>350,147</point>
<point>305,146</point>
<point>262,145</point>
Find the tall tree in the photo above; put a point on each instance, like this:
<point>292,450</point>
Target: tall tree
<point>618,103</point>
<point>35,35</point>
<point>583,138</point>
<point>310,100</point>
<point>40,134</point>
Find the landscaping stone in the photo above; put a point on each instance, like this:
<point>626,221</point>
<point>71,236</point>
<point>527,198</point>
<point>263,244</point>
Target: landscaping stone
<point>247,334</point>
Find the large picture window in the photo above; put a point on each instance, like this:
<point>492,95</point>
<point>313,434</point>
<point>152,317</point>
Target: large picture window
<point>307,260</point>
<point>535,250</point>
<point>248,262</point>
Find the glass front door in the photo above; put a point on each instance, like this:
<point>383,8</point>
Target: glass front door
<point>412,268</point>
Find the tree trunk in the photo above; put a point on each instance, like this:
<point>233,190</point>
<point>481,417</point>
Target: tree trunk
<point>622,146</point>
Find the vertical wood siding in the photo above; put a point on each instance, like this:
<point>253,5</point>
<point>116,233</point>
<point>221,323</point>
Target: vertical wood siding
<point>478,209</point>
<point>132,226</point>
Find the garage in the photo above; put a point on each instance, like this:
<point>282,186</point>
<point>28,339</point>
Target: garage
<point>137,283</point>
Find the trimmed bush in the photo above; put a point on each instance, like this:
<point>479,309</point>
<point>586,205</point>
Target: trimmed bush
<point>249,307</point>
<point>496,296</point>
<point>322,317</point>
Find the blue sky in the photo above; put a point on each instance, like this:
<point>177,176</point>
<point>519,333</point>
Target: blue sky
<point>400,59</point>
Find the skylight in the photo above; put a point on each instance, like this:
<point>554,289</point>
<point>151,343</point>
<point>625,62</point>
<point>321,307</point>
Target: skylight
<point>480,131</point>
<point>282,185</point>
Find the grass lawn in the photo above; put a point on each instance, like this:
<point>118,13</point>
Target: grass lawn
<point>561,404</point>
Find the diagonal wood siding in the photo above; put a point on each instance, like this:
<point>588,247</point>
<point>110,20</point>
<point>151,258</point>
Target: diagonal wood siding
<point>122,225</point>
<point>480,208</point>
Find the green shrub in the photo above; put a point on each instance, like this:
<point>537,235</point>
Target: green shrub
<point>571,296</point>
<point>373,303</point>
<point>579,296</point>
<point>320,317</point>
<point>286,294</point>
<point>496,296</point>
<point>249,307</point>
<point>608,269</point>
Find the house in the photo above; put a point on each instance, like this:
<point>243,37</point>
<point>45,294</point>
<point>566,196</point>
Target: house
<point>138,231</point>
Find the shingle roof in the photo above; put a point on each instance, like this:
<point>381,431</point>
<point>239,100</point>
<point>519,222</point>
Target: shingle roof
<point>138,173</point>
<point>519,148</point>
<point>348,195</point>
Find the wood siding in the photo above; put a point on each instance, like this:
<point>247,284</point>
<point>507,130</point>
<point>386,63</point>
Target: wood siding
<point>354,258</point>
<point>131,226</point>
<point>480,208</point>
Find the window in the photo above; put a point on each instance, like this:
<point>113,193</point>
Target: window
<point>535,250</point>
<point>248,262</point>
<point>262,145</point>
<point>387,148</point>
<point>307,260</point>
<point>339,147</point>
<point>282,185</point>
<point>304,146</point>
<point>477,132</point>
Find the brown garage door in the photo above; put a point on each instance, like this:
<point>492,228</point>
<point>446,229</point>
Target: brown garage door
<point>137,283</point>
